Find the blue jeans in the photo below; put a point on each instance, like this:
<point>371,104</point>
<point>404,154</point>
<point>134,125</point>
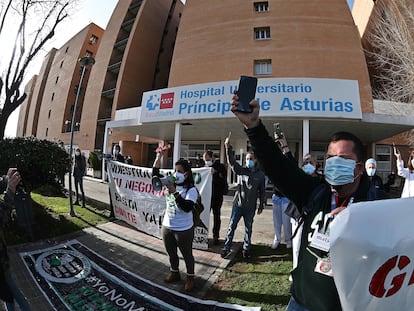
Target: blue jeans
<point>295,306</point>
<point>17,294</point>
<point>237,213</point>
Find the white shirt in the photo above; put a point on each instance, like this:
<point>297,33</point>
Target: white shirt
<point>175,218</point>
<point>408,190</point>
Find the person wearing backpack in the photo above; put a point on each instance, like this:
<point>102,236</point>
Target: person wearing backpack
<point>219,189</point>
<point>178,225</point>
<point>318,199</point>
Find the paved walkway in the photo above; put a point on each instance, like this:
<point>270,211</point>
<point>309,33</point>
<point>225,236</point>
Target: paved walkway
<point>138,252</point>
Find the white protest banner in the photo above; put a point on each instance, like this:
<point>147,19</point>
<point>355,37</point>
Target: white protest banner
<point>372,254</point>
<point>137,203</point>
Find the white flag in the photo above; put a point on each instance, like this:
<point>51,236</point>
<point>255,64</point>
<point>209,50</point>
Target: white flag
<point>372,254</point>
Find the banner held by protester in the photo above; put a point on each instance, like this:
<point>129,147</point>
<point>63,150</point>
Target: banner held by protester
<point>137,203</point>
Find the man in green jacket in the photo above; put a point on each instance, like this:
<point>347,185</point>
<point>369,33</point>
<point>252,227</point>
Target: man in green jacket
<point>319,200</point>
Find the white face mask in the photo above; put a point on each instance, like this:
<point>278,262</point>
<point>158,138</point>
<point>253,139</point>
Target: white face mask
<point>371,171</point>
<point>209,163</point>
<point>77,153</point>
<point>412,162</point>
<point>179,178</point>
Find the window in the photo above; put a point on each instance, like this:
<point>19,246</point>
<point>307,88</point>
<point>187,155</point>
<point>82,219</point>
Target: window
<point>57,79</point>
<point>93,39</point>
<point>50,111</point>
<point>61,64</point>
<point>47,131</point>
<point>262,33</point>
<point>53,96</point>
<point>67,49</point>
<point>384,158</point>
<point>261,6</point>
<point>263,67</point>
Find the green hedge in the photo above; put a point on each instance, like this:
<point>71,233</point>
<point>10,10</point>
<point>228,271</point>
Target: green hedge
<point>40,162</point>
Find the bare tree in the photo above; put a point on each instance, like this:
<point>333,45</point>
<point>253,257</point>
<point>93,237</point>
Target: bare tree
<point>390,53</point>
<point>34,24</point>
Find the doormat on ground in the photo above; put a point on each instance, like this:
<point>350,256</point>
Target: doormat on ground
<point>74,277</point>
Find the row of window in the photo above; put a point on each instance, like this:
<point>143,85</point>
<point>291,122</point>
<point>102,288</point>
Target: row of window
<point>264,66</point>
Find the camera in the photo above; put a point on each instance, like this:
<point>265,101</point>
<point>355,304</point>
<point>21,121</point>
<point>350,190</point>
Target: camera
<point>159,182</point>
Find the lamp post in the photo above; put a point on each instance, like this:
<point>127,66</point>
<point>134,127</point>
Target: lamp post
<point>85,62</point>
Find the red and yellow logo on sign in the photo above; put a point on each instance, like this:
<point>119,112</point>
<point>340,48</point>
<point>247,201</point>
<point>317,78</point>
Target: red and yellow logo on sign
<point>167,100</point>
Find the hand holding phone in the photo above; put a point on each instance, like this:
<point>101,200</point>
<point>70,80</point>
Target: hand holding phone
<point>162,148</point>
<point>277,130</point>
<point>246,93</point>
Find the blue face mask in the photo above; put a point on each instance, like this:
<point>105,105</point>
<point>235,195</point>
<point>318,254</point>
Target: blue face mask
<point>249,163</point>
<point>308,169</point>
<point>339,171</point>
<point>371,171</point>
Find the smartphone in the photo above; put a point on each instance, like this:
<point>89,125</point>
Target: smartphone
<point>246,93</point>
<point>278,131</point>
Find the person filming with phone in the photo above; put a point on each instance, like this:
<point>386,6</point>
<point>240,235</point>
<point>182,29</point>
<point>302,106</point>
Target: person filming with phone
<point>406,172</point>
<point>343,183</point>
<point>9,292</point>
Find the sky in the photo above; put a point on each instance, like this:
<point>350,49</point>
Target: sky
<point>96,11</point>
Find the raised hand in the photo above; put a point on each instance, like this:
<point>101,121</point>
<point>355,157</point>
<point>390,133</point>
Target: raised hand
<point>248,119</point>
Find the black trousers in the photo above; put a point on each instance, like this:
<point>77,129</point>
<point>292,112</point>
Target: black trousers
<point>216,203</point>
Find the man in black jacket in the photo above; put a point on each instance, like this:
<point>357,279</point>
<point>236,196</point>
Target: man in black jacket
<point>219,188</point>
<point>313,287</point>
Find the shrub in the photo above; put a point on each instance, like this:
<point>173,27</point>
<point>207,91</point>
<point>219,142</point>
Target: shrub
<point>39,162</point>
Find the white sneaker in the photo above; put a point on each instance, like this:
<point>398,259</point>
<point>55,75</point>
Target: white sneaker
<point>275,245</point>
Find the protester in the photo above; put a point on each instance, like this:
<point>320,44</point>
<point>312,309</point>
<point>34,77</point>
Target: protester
<point>219,189</point>
<point>116,154</point>
<point>129,160</point>
<point>309,167</point>
<point>319,200</point>
<point>250,187</point>
<point>280,202</point>
<point>9,292</point>
<point>406,172</point>
<point>177,226</point>
<point>376,181</point>
<point>79,170</point>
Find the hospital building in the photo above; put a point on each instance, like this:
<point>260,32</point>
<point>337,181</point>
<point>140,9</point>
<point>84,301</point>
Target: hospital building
<point>165,73</point>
